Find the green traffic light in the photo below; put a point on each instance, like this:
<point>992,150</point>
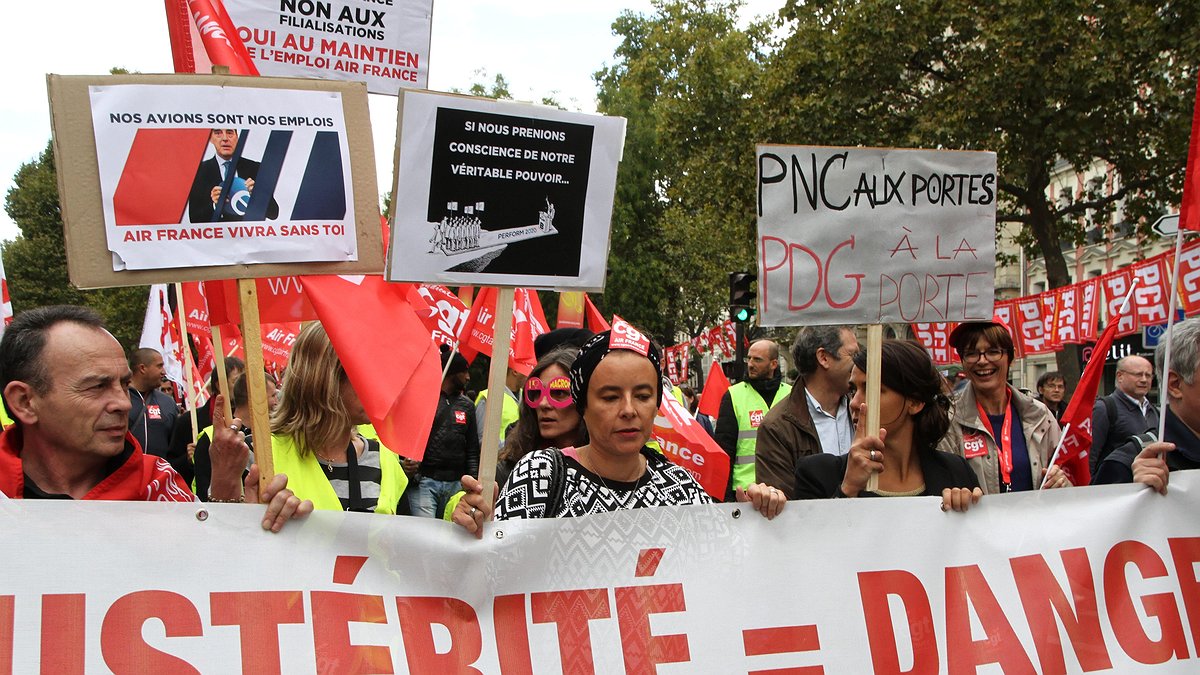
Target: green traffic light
<point>742,315</point>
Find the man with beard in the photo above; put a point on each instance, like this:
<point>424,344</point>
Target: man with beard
<point>743,408</point>
<point>452,450</point>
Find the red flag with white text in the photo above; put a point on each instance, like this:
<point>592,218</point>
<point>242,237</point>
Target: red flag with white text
<point>1189,209</point>
<point>529,321</point>
<point>203,35</point>
<point>387,353</point>
<point>687,444</point>
<point>1116,285</point>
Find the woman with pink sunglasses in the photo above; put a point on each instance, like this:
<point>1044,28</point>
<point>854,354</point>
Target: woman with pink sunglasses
<point>548,418</point>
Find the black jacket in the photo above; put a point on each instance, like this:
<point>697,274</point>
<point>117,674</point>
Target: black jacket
<point>1117,467</point>
<point>151,419</point>
<point>208,176</point>
<point>453,446</point>
<point>1108,434</point>
<point>820,476</point>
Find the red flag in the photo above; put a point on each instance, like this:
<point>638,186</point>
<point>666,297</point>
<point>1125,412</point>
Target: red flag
<point>1089,309</point>
<point>595,320</point>
<point>1006,312</point>
<point>1189,209</point>
<point>1030,327</point>
<point>935,338</point>
<point>687,444</point>
<point>1116,285</point>
<point>277,341</point>
<point>714,390</point>
<point>280,300</point>
<point>387,353</point>
<point>1151,297</point>
<point>205,22</point>
<point>1077,419</point>
<point>1189,278</point>
<point>442,312</point>
<point>529,321</point>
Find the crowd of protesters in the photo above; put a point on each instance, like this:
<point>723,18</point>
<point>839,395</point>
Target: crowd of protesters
<point>86,422</point>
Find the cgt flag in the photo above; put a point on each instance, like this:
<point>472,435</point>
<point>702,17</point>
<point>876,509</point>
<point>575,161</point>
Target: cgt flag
<point>387,354</point>
<point>687,444</point>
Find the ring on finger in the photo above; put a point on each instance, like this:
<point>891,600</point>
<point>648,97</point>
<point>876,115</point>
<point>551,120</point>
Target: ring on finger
<point>234,427</point>
<point>473,510</point>
<point>872,455</point>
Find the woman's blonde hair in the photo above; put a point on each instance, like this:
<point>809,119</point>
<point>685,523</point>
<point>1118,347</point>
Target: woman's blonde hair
<point>311,411</point>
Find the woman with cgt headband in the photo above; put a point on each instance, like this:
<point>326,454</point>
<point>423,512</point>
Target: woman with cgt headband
<point>616,387</point>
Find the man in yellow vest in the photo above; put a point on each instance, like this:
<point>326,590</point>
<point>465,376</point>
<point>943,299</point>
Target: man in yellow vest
<point>745,405</point>
<point>511,410</point>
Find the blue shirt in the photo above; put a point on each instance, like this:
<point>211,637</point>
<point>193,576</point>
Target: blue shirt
<point>1022,474</point>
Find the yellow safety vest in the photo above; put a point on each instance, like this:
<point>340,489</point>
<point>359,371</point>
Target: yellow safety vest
<point>5,420</point>
<point>750,409</point>
<point>508,414</point>
<point>307,479</point>
<point>206,431</point>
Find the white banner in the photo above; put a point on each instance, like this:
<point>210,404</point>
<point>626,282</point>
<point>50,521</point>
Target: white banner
<point>870,235</point>
<point>502,193</point>
<point>382,42</point>
<point>169,199</point>
<point>1099,579</point>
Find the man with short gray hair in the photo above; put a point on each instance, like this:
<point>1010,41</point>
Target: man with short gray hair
<point>816,416</point>
<point>1145,461</point>
<point>1126,411</point>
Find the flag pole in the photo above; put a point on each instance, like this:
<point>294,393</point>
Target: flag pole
<point>497,373</point>
<point>188,366</point>
<point>1162,378</point>
<point>256,385</point>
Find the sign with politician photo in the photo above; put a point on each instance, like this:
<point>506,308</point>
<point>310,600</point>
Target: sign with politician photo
<point>220,175</point>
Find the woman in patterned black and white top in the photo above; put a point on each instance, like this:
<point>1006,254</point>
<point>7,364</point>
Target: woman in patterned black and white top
<point>616,384</point>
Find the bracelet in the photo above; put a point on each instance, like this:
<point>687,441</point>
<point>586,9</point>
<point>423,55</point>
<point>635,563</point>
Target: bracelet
<point>241,499</point>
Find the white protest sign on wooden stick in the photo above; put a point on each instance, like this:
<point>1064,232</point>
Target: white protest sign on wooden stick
<point>874,235</point>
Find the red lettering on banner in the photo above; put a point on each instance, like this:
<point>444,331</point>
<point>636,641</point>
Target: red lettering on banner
<point>642,650</point>
<point>121,642</point>
<point>1189,279</point>
<point>1042,598</point>
<point>874,588</point>
<point>417,616</point>
<point>257,614</point>
<point>332,613</point>
<point>966,588</point>
<point>1185,553</point>
<point>512,634</point>
<point>1116,285</point>
<point>571,611</point>
<point>7,631</point>
<point>1124,617</point>
<point>63,621</point>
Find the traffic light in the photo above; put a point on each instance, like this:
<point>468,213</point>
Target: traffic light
<point>742,300</point>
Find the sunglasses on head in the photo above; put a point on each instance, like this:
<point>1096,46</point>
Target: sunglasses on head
<point>557,391</point>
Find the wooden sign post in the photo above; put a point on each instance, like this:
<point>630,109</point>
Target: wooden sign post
<point>497,374</point>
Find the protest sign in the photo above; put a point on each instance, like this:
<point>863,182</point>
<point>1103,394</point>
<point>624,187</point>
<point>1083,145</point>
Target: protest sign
<point>501,193</point>
<point>875,235</point>
<point>890,586</point>
<point>139,177</point>
<point>384,43</point>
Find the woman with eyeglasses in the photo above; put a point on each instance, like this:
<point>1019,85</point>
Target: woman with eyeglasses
<point>1006,437</point>
<point>548,418</point>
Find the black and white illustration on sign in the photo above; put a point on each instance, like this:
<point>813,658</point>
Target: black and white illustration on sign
<point>506,190</point>
<point>501,193</point>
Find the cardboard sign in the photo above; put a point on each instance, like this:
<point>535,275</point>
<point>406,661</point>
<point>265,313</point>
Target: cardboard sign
<point>383,43</point>
<point>501,193</point>
<point>140,175</point>
<point>870,235</point>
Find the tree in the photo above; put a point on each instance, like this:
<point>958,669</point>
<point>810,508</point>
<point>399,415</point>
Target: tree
<point>683,217</point>
<point>36,262</point>
<point>1036,83</point>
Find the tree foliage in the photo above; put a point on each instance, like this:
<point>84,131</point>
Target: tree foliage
<point>36,262</point>
<point>1040,84</point>
<point>683,217</point>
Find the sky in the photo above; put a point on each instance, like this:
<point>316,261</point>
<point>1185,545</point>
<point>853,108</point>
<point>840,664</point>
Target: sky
<point>540,46</point>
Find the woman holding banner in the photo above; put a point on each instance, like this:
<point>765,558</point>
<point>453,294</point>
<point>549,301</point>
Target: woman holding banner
<point>616,386</point>
<point>1006,437</point>
<point>913,412</point>
<point>315,439</point>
